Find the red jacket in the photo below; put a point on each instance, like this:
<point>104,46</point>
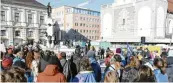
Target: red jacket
<point>51,74</point>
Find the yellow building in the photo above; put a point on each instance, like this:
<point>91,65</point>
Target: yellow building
<point>80,23</point>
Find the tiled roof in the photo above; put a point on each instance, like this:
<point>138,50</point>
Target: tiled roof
<point>28,3</point>
<point>170,6</point>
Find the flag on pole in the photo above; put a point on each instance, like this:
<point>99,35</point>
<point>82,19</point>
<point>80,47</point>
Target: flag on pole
<point>129,53</point>
<point>129,50</point>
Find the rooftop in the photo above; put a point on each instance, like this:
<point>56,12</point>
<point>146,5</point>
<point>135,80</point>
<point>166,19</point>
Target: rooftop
<point>29,3</point>
<point>78,8</point>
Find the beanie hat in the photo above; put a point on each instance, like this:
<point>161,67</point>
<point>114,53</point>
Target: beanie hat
<point>6,62</point>
<point>118,50</point>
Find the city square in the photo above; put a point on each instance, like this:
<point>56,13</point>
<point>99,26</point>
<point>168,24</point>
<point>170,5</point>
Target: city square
<point>86,40</point>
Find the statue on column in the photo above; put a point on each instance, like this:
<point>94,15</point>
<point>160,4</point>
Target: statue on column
<point>49,10</point>
<point>49,33</point>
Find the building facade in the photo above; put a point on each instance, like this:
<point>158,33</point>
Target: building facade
<point>129,20</point>
<point>78,23</point>
<point>22,20</point>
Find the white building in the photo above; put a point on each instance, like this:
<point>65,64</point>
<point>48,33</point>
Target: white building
<point>22,20</point>
<point>129,20</point>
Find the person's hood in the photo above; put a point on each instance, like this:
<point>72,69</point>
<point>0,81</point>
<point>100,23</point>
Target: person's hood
<point>92,60</point>
<point>91,53</point>
<point>51,70</point>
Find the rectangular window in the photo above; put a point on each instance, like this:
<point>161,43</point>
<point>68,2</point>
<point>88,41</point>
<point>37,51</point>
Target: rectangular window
<point>3,32</point>
<point>92,26</point>
<point>17,33</point>
<point>16,15</point>
<point>30,33</point>
<point>41,19</point>
<point>124,21</point>
<point>2,15</point>
<point>83,25</point>
<point>29,18</point>
<point>81,31</point>
<point>80,24</point>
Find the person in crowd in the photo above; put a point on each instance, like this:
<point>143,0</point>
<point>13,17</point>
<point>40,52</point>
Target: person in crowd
<point>85,49</point>
<point>130,72</point>
<point>29,59</point>
<point>10,52</point>
<point>19,56</point>
<point>86,73</point>
<point>170,68</point>
<point>62,58</point>
<point>114,66</point>
<point>95,66</point>
<point>76,57</point>
<point>25,51</point>
<point>93,48</point>
<point>107,50</point>
<point>119,52</point>
<point>6,63</point>
<point>108,57</point>
<point>51,72</point>
<point>102,53</point>
<point>146,74</point>
<point>35,65</point>
<point>15,74</point>
<point>111,77</point>
<point>159,70</point>
<point>20,64</point>
<point>134,62</point>
<point>147,53</point>
<point>45,56</point>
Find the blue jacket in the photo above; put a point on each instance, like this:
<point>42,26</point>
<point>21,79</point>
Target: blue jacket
<point>85,76</point>
<point>96,68</point>
<point>160,77</point>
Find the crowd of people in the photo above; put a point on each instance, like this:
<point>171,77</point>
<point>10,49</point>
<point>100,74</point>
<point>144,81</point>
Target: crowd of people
<point>32,64</point>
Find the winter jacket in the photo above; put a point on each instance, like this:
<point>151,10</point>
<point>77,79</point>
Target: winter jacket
<point>170,68</point>
<point>63,61</point>
<point>85,76</point>
<point>76,60</point>
<point>96,68</point>
<point>51,74</point>
<point>35,69</point>
<point>159,76</point>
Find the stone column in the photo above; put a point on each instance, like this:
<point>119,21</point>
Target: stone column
<point>10,32</point>
<point>36,35</point>
<point>24,35</point>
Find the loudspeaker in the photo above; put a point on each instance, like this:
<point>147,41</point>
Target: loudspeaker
<point>143,40</point>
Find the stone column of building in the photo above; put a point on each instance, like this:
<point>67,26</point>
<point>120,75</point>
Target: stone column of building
<point>10,35</point>
<point>24,34</point>
<point>36,34</point>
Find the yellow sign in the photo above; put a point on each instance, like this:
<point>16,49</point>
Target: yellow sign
<point>152,48</point>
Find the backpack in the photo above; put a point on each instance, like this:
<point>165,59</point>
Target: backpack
<point>130,74</point>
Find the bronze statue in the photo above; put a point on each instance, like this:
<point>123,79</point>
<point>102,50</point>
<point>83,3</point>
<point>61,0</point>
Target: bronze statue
<point>49,10</point>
